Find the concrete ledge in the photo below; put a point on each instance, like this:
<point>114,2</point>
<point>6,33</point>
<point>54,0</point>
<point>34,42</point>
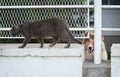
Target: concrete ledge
<point>75,50</point>
<point>33,61</point>
<point>115,50</point>
<point>97,70</point>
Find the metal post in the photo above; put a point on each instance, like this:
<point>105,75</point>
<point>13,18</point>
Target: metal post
<point>98,25</point>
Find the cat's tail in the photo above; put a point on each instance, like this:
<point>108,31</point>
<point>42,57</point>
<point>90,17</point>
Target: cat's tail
<point>77,41</point>
<point>72,37</point>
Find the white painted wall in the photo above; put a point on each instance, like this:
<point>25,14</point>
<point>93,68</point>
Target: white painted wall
<point>40,67</point>
<point>115,60</point>
<point>36,62</point>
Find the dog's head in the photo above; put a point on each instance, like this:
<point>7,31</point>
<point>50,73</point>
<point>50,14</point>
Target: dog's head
<point>14,31</point>
<point>89,42</point>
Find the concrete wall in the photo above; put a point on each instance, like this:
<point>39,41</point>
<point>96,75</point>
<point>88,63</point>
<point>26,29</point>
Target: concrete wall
<point>41,62</point>
<point>115,60</point>
<point>97,70</point>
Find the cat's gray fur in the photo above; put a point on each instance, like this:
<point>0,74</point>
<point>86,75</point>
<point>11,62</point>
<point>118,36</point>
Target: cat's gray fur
<point>53,27</point>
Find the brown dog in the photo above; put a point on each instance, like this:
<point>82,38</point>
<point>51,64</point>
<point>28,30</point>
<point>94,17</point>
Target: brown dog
<point>89,46</point>
<point>54,27</point>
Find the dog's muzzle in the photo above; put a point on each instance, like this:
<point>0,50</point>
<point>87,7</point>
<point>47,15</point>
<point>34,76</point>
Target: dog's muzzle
<point>90,49</point>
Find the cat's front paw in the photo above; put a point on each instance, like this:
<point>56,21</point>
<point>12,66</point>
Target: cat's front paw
<point>21,46</point>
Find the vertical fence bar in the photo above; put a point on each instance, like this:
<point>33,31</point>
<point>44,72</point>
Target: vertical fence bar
<point>98,25</point>
<point>88,1</point>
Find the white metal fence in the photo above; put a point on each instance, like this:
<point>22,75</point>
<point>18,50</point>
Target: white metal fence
<point>77,12</point>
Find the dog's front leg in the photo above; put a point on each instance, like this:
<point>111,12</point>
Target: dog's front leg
<point>26,40</point>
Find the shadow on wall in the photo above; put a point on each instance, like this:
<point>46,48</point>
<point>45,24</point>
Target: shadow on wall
<point>109,40</point>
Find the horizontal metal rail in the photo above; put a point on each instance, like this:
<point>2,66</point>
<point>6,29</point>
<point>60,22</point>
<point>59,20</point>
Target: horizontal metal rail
<point>46,6</point>
<point>72,29</point>
<point>11,37</point>
<point>92,29</point>
<point>32,38</point>
<point>76,29</point>
<point>56,6</point>
<point>5,29</point>
<point>110,6</point>
<point>110,29</point>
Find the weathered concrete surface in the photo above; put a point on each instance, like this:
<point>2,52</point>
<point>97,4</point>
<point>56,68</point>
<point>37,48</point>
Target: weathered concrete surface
<point>100,70</point>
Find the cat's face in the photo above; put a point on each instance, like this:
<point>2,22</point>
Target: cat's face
<point>14,31</point>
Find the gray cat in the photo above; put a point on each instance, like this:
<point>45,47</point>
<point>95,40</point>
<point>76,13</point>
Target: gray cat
<point>53,27</point>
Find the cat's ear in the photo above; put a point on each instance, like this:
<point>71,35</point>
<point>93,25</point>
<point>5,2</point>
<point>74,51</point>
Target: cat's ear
<point>20,26</point>
<point>14,27</point>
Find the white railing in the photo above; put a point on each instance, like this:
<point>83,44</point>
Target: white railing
<point>110,6</point>
<point>46,6</point>
<point>110,29</point>
<point>79,29</point>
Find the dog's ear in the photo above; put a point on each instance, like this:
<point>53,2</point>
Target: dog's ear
<point>102,37</point>
<point>85,33</point>
<point>83,41</point>
<point>91,35</point>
